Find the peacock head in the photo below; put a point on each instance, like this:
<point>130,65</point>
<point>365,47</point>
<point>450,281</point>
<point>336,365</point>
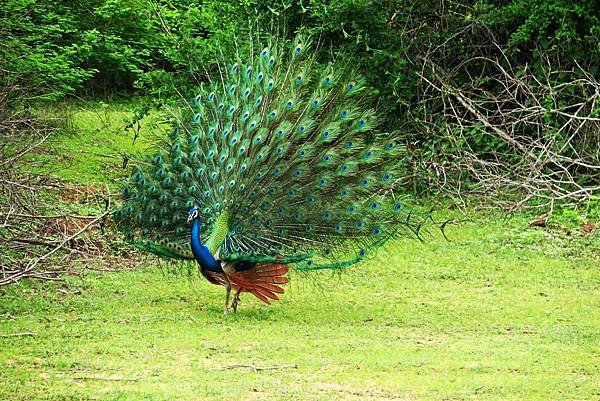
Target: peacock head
<point>193,213</point>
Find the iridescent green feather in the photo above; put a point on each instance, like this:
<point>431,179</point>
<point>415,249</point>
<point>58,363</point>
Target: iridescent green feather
<point>285,162</point>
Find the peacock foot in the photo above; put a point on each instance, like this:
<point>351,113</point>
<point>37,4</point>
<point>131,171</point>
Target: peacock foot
<point>234,302</point>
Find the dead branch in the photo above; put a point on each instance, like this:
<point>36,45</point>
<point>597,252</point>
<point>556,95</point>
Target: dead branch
<point>24,334</point>
<point>108,379</point>
<point>256,368</point>
<point>31,231</point>
<point>548,127</point>
<point>33,263</point>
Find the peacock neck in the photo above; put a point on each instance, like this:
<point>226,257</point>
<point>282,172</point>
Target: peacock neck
<point>202,254</point>
<point>220,229</point>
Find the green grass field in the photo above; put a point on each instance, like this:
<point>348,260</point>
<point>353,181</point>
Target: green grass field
<point>501,311</point>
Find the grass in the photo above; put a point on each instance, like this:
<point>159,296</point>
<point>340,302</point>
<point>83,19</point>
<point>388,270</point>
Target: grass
<point>459,320</point>
<point>500,312</point>
<point>94,140</point>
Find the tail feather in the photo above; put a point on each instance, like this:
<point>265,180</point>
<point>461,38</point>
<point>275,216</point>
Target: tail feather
<point>276,279</point>
<point>267,293</point>
<point>289,152</point>
<point>270,287</point>
<point>261,281</point>
<point>260,296</point>
<point>271,270</point>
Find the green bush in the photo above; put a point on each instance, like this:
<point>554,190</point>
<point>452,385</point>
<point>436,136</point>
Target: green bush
<point>34,55</point>
<point>100,46</point>
<point>166,48</point>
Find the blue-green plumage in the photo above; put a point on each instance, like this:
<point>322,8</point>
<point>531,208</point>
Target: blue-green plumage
<point>282,162</point>
<point>201,253</point>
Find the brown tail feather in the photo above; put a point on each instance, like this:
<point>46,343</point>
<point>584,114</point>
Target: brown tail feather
<point>267,293</point>
<point>260,281</point>
<point>269,267</point>
<point>271,274</point>
<point>270,287</point>
<point>259,296</point>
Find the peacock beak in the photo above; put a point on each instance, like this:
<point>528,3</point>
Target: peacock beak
<point>189,218</point>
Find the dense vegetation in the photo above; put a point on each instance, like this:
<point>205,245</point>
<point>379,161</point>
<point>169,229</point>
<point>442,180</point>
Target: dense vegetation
<point>473,88</point>
<point>102,46</point>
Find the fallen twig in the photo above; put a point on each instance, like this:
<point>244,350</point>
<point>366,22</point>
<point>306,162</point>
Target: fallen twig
<point>33,263</point>
<point>256,368</point>
<point>108,379</point>
<point>18,334</point>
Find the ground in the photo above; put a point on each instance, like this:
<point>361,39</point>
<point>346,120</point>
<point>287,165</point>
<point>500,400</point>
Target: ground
<point>475,317</point>
<point>499,311</point>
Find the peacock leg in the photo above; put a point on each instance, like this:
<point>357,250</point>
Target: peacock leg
<point>236,299</point>
<point>228,289</point>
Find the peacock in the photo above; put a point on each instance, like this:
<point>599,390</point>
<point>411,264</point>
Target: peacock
<point>277,163</point>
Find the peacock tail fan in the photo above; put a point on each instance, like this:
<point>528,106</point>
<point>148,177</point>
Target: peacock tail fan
<point>283,158</point>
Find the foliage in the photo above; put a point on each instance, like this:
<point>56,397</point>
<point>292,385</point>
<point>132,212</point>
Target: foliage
<point>65,47</point>
<point>114,43</point>
<point>166,48</point>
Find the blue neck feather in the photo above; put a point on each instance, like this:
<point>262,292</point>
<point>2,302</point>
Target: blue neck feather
<point>201,253</point>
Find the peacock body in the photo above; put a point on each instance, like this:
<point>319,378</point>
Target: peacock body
<point>277,162</point>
